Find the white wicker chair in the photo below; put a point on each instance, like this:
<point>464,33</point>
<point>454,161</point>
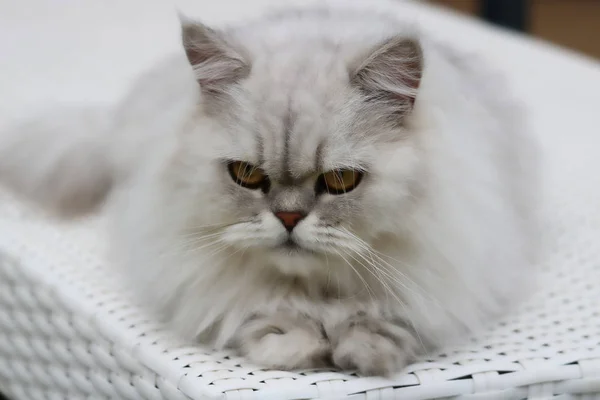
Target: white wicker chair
<point>67,331</point>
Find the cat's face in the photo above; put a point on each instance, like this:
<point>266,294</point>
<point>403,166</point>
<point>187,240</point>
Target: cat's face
<point>300,162</point>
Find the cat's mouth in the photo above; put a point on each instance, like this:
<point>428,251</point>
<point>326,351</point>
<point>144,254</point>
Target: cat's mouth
<point>291,247</point>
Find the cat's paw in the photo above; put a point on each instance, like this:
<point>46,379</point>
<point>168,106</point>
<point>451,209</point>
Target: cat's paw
<point>282,341</point>
<point>372,346</point>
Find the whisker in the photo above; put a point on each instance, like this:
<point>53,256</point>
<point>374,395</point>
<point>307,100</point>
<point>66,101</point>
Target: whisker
<point>392,270</point>
<point>397,298</point>
<point>373,271</point>
<point>388,271</point>
<point>218,250</point>
<point>192,246</point>
<point>196,229</point>
<point>366,285</point>
<point>200,238</point>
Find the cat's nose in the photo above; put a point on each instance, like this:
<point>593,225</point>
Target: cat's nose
<point>290,219</point>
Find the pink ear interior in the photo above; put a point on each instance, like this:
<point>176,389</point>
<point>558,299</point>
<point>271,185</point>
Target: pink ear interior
<point>215,61</point>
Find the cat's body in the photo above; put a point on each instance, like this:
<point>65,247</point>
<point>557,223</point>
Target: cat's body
<point>434,239</point>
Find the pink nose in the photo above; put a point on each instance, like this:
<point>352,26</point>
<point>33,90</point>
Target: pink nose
<point>289,219</point>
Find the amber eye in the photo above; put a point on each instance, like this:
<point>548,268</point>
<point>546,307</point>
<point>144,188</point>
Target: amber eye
<point>339,181</point>
<point>247,175</point>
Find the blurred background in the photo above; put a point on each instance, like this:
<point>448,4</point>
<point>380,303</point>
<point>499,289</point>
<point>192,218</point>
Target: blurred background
<point>574,24</point>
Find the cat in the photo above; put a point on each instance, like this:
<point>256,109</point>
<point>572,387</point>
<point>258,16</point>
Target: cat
<point>316,187</point>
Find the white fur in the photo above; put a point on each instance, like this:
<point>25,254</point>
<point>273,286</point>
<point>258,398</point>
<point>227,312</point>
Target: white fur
<point>445,210</point>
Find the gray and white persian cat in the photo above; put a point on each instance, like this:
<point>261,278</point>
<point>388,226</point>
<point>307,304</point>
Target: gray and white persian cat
<point>318,186</point>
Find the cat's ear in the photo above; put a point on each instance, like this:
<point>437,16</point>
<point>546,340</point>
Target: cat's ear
<point>391,71</point>
<point>216,63</point>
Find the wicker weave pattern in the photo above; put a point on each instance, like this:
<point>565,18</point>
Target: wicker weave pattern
<point>49,351</point>
<point>67,330</point>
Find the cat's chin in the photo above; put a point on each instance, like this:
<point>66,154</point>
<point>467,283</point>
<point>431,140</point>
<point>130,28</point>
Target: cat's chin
<point>294,259</point>
<point>291,248</point>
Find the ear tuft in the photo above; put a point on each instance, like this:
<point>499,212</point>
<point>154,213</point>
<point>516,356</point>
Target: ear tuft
<point>216,63</point>
<point>392,72</point>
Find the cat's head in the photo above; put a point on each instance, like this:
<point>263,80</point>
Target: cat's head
<point>306,145</point>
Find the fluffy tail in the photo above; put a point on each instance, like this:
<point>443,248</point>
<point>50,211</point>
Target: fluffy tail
<point>60,161</point>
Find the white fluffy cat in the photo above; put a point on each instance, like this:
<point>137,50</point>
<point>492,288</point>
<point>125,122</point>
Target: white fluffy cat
<point>315,187</point>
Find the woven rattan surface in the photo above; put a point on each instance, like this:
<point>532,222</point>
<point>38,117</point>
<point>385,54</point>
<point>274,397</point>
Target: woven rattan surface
<point>67,330</point>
